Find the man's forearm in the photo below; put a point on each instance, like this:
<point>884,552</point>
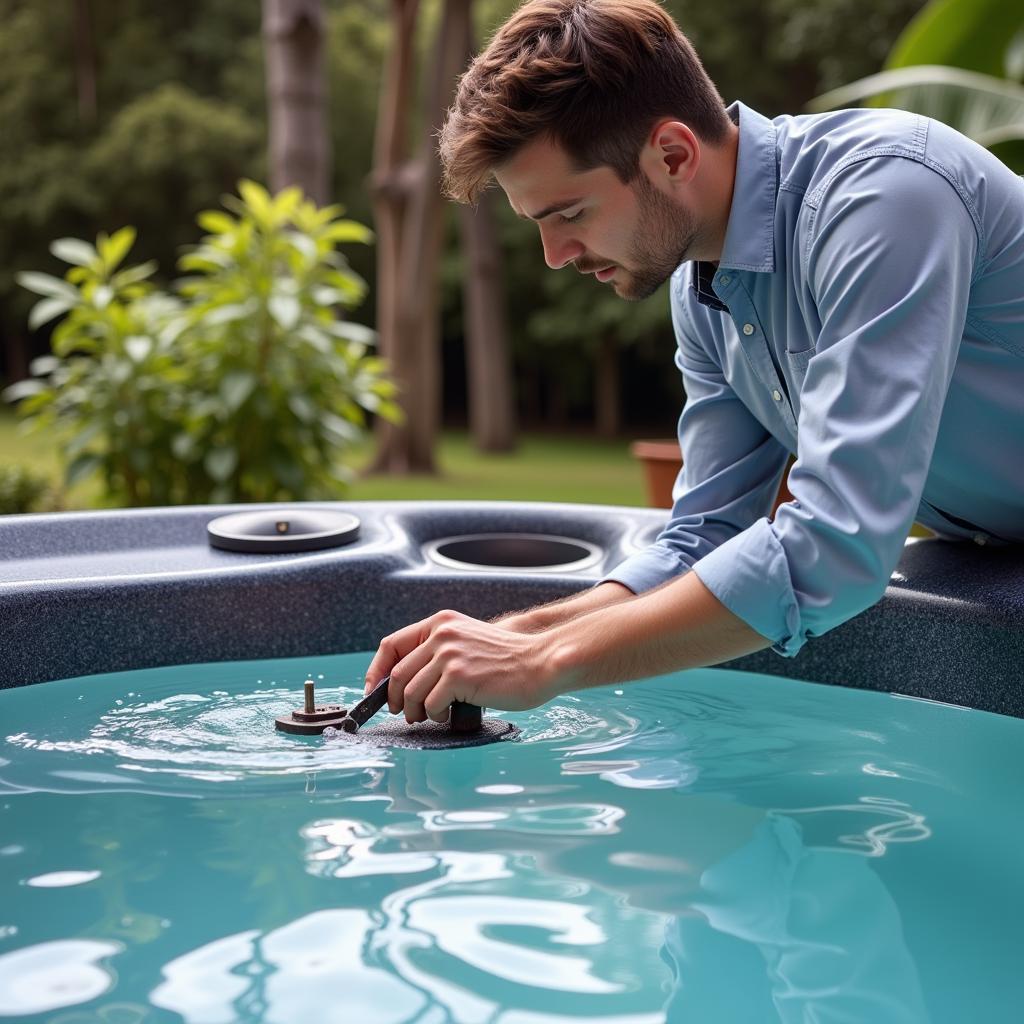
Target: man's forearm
<point>677,626</point>
<point>556,613</point>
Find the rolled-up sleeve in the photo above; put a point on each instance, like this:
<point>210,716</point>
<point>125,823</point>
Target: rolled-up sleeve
<point>888,266</point>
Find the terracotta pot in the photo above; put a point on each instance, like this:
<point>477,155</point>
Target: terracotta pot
<point>662,461</point>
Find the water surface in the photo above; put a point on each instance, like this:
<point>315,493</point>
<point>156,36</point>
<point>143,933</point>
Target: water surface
<point>709,846</point>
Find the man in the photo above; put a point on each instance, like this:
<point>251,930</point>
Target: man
<point>850,289</point>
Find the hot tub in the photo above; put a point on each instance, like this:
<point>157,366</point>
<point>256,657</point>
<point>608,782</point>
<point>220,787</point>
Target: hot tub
<point>725,845</point>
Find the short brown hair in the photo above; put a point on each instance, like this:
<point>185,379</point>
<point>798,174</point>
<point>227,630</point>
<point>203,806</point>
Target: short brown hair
<point>592,75</point>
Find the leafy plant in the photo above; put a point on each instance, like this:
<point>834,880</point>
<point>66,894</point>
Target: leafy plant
<point>21,490</point>
<point>961,62</point>
<point>243,384</point>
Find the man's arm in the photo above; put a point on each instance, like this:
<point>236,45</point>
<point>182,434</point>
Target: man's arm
<point>451,656</point>
<point>554,613</point>
<point>731,474</point>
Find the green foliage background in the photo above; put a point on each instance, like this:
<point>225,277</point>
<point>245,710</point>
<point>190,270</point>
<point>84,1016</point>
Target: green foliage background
<point>181,117</point>
<point>246,383</point>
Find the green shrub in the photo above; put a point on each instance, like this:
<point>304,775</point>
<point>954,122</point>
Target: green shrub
<point>242,384</point>
<point>22,490</point>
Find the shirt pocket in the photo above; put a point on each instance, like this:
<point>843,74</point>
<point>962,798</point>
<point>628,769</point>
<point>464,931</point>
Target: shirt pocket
<point>796,367</point>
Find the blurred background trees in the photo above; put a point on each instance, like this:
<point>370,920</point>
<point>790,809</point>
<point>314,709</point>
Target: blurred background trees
<point>126,112</point>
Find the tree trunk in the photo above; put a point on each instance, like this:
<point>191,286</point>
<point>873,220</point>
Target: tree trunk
<point>607,410</point>
<point>488,360</point>
<point>410,212</point>
<point>299,153</point>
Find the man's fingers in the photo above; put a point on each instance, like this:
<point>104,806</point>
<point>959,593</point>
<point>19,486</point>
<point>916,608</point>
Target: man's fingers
<point>390,652</point>
<point>418,689</point>
<point>439,701</point>
<point>402,674</point>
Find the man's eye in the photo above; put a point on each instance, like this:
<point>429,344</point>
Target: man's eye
<point>571,220</point>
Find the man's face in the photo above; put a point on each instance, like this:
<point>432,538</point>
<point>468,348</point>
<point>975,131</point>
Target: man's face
<point>630,236</point>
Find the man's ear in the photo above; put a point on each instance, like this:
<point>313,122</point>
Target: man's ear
<point>672,153</point>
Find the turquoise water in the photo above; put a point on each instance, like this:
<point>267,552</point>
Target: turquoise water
<point>708,847</point>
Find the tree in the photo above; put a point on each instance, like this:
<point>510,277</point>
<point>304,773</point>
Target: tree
<point>293,35</point>
<point>490,389</point>
<point>409,210</point>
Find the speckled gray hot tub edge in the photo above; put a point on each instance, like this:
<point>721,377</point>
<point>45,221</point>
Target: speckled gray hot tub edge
<point>92,592</point>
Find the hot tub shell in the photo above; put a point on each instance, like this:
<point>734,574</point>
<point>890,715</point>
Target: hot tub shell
<point>104,591</point>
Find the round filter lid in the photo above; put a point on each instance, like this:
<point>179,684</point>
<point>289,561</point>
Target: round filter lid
<point>283,530</point>
<point>396,732</point>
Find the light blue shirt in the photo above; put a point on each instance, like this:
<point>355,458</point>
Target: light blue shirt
<point>873,270</point>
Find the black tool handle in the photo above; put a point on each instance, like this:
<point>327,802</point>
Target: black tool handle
<point>465,717</point>
<point>360,713</point>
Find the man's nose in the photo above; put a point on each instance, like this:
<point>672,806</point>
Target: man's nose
<point>559,249</point>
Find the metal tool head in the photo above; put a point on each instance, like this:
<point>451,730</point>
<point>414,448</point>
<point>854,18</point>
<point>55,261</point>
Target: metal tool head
<point>466,726</point>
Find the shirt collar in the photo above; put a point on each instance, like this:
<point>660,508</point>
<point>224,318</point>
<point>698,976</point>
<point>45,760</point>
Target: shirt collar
<point>750,234</point>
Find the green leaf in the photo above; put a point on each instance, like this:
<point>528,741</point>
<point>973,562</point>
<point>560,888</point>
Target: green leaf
<point>77,342</point>
<point>47,284</point>
<point>220,463</point>
<point>306,247</point>
<point>236,387</point>
<point>217,222</point>
<point>23,389</point>
<point>392,412</point>
<point>74,250</point>
<point>303,408</point>
<point>285,309</point>
<point>138,346</point>
<point>205,259</point>
<point>46,309</point>
<point>257,199</point>
<point>353,332</point>
<point>43,366</point>
<point>343,431</point>
<point>81,467</point>
<point>971,34</point>
<point>977,105</point>
<point>347,231</point>
<point>226,314</point>
<point>183,445</point>
<point>134,274</point>
<point>114,249</point>
<point>285,203</point>
<point>317,338</point>
<point>84,438</point>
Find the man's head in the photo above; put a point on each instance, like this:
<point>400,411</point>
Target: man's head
<point>599,101</point>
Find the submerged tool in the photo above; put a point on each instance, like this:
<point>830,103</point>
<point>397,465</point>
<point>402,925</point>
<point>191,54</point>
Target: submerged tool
<point>465,727</point>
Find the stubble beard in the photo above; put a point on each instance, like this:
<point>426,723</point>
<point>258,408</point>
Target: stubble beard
<point>665,234</point>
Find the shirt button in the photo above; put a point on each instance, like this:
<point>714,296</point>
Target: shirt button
<point>748,329</point>
<point>724,279</point>
<point>777,395</point>
<point>980,538</point>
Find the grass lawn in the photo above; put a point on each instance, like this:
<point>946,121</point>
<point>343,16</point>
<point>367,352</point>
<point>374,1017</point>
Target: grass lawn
<point>543,468</point>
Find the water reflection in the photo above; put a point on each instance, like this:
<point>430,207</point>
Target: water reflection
<point>657,860</point>
<point>754,914</point>
<point>53,975</point>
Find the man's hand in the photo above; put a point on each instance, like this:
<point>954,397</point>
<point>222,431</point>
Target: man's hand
<point>451,656</point>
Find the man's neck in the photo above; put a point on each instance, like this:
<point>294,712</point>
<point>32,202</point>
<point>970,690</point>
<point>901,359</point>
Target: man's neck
<point>719,170</point>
